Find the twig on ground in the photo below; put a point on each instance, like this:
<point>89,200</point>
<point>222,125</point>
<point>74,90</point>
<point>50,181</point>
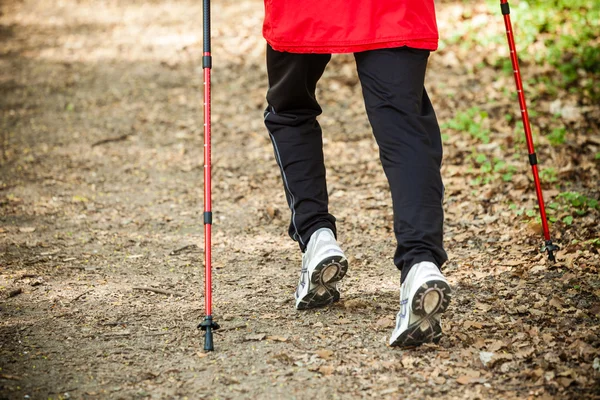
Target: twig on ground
<point>161,291</point>
<point>15,292</point>
<point>110,140</point>
<point>231,328</point>
<point>185,249</point>
<point>25,276</point>
<point>116,323</point>
<point>10,377</point>
<point>116,334</point>
<point>81,295</point>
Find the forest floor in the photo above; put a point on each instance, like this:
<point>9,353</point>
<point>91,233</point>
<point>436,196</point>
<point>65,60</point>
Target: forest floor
<point>101,197</point>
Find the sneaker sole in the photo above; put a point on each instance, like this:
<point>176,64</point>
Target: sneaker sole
<point>325,276</point>
<point>431,299</point>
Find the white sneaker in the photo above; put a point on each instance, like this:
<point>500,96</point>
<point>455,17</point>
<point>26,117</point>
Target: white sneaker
<point>323,265</point>
<point>424,296</point>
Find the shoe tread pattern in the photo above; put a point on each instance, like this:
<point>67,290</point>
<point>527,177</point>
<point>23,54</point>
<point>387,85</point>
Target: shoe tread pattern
<point>324,293</point>
<point>427,328</point>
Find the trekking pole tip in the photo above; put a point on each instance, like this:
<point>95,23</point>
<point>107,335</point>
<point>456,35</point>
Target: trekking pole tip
<point>551,249</point>
<point>208,340</point>
<point>208,325</point>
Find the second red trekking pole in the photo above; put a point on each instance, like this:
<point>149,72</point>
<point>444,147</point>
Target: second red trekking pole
<point>548,245</point>
<point>208,325</point>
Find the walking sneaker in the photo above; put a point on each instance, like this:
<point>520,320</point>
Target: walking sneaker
<point>424,296</point>
<point>323,265</point>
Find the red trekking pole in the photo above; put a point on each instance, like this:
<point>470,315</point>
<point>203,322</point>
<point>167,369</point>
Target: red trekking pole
<point>208,325</point>
<point>548,246</point>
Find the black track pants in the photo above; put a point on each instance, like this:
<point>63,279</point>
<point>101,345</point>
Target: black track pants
<point>404,125</point>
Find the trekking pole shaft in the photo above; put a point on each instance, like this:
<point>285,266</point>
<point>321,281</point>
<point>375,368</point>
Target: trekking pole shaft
<point>206,65</point>
<point>208,325</point>
<point>524,115</point>
<point>207,195</point>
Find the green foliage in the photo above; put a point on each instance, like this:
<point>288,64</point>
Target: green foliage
<point>579,203</point>
<point>548,175</point>
<point>564,34</point>
<point>486,170</point>
<point>520,211</point>
<point>471,121</point>
<point>557,136</point>
<point>519,132</point>
<point>567,207</point>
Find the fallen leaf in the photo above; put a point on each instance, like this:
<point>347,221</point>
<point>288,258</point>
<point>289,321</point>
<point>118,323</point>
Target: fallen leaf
<point>201,354</point>
<point>325,354</point>
<point>552,358</point>
<point>537,372</point>
<point>538,268</point>
<point>535,227</point>
<point>568,372</point>
<point>440,380</point>
<point>464,380</point>
<point>326,370</point>
<point>525,353</point>
<point>342,321</point>
<point>564,382</point>
<point>227,380</point>
<point>408,361</point>
<point>355,304</point>
<point>255,337</point>
<point>497,345</point>
<point>384,323</point>
<point>284,358</point>
<point>277,338</point>
<point>557,303</point>
<point>472,324</point>
<point>479,343</point>
<point>26,229</point>
<point>272,212</point>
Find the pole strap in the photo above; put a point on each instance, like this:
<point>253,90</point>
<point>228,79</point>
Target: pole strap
<point>505,8</point>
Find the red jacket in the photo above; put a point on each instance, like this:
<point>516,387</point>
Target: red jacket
<point>347,26</point>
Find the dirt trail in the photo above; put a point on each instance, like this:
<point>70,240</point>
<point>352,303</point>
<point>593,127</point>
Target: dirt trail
<point>101,193</point>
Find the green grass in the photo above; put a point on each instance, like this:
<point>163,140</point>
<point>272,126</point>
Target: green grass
<point>557,136</point>
<point>486,170</point>
<point>566,207</point>
<point>472,122</point>
<point>564,34</point>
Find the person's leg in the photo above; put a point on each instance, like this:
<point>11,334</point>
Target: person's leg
<point>408,135</point>
<point>291,119</point>
<point>410,147</point>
